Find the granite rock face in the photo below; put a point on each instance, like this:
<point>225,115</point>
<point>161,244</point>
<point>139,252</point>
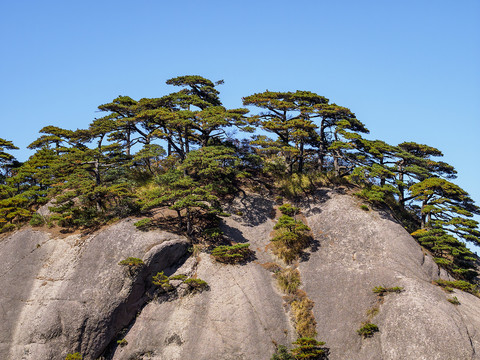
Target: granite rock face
<point>63,295</point>
<point>359,250</point>
<point>66,295</point>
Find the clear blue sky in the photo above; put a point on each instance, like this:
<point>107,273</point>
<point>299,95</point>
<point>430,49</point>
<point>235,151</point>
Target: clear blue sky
<point>410,70</point>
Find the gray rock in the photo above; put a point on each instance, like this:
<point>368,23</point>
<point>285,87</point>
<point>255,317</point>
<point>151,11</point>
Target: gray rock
<point>62,295</point>
<point>358,250</point>
<point>241,316</point>
<point>67,295</point>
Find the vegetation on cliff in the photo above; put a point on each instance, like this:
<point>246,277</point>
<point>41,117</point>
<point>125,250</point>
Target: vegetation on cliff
<point>179,151</point>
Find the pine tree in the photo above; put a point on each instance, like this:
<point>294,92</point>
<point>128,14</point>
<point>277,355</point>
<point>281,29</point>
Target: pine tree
<point>289,116</point>
<point>446,216</point>
<point>308,348</point>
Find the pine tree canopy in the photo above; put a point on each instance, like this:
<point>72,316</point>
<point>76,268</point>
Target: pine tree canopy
<point>186,152</point>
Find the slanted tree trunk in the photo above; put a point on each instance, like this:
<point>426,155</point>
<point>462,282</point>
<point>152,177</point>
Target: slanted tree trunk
<point>401,189</point>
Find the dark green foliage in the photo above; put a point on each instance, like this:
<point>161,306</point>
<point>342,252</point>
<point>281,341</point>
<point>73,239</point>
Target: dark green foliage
<point>188,197</point>
<point>7,228</point>
<point>290,238</point>
<point>93,176</point>
<point>36,220</point>
<point>232,254</point>
<point>288,209</point>
<point>448,207</point>
<point>15,190</point>
<point>122,342</point>
<point>458,284</point>
<point>196,285</point>
<point>309,348</point>
<point>132,262</point>
<point>454,301</point>
<point>448,252</point>
<point>282,353</point>
<point>367,330</point>
<point>178,277</point>
<point>380,290</point>
<point>163,281</point>
<point>364,207</point>
<point>75,356</point>
<point>213,234</point>
<point>143,224</point>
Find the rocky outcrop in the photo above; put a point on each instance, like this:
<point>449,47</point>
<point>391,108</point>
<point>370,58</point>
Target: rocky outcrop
<point>240,317</point>
<point>69,294</point>
<point>63,295</point>
<point>359,250</point>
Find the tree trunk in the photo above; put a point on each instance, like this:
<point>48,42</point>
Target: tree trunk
<point>401,189</point>
<point>300,160</point>
<point>336,167</point>
<point>189,222</point>
<point>187,144</point>
<point>180,219</point>
<point>321,148</point>
<point>382,177</point>
<point>423,215</point>
<point>128,145</point>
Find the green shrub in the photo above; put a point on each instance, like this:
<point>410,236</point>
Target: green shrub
<point>213,234</point>
<point>178,277</point>
<point>442,261</point>
<point>232,254</point>
<point>133,265</point>
<point>380,290</point>
<point>196,285</point>
<point>7,227</point>
<point>309,348</point>
<point>290,238</point>
<point>367,330</point>
<point>163,281</point>
<point>454,301</point>
<point>282,353</point>
<point>122,342</point>
<point>364,207</point>
<point>75,356</point>
<point>132,262</point>
<point>288,280</point>
<point>143,224</point>
<point>458,284</point>
<point>36,220</point>
<point>289,210</point>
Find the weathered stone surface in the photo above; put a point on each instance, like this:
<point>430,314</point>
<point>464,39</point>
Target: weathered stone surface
<point>241,316</point>
<point>358,250</point>
<point>67,295</point>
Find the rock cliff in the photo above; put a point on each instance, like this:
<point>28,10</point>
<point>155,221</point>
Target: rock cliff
<point>68,294</point>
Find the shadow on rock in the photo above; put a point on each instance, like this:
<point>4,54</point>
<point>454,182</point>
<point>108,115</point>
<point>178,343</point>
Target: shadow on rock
<point>233,234</point>
<point>311,204</point>
<point>252,209</point>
